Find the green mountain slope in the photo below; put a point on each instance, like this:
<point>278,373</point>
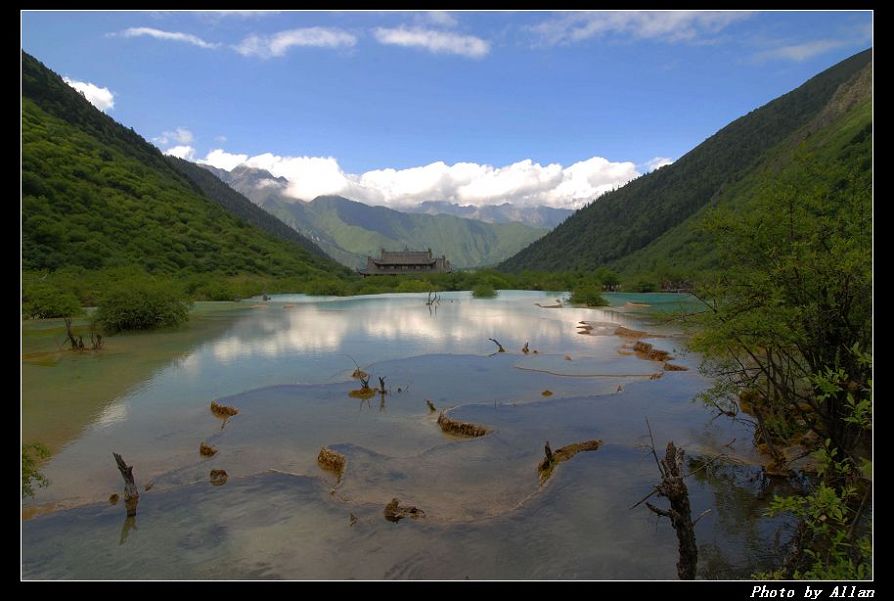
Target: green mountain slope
<point>95,194</point>
<point>835,149</point>
<point>624,221</point>
<point>214,189</point>
<point>350,230</point>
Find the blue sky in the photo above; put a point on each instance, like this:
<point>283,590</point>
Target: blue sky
<point>397,107</point>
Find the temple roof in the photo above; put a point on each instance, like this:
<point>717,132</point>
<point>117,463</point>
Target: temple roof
<point>404,257</point>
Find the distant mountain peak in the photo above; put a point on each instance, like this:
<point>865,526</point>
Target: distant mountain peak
<point>539,216</point>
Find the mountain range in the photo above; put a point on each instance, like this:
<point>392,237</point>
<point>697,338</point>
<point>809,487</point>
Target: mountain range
<point>95,194</point>
<point>349,230</point>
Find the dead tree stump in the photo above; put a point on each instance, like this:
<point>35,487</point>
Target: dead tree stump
<point>68,332</point>
<point>131,494</point>
<point>674,488</point>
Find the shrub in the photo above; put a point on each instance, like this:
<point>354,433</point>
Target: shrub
<point>141,304</point>
<point>32,454</point>
<point>413,286</point>
<point>484,290</point>
<point>325,288</point>
<point>588,295</point>
<point>644,286</point>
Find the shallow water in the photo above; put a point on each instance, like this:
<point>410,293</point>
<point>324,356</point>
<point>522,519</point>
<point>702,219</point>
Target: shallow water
<point>286,365</point>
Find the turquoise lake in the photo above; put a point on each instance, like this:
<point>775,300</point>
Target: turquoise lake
<point>287,366</point>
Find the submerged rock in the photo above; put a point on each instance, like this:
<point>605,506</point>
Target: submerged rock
<point>644,350</point>
<point>206,450</point>
<point>332,461</point>
<point>395,512</point>
<point>222,410</point>
<point>218,477</point>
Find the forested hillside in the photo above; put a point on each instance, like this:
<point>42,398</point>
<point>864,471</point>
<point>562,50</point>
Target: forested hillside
<point>621,222</point>
<point>95,195</point>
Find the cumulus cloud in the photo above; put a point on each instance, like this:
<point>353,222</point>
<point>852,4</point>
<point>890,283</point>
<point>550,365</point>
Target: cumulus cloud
<point>434,41</point>
<point>658,163</point>
<point>173,36</point>
<point>182,152</point>
<point>668,26</point>
<point>278,43</point>
<point>101,98</point>
<point>223,160</point>
<point>181,135</point>
<point>524,183</point>
<point>799,52</point>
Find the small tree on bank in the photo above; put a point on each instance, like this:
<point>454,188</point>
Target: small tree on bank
<point>141,304</point>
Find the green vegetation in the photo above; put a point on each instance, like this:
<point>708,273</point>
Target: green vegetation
<point>589,295</point>
<point>43,300</point>
<point>786,335</point>
<point>642,212</point>
<point>141,304</point>
<point>211,187</point>
<point>96,195</point>
<point>838,140</point>
<point>484,290</point>
<point>349,230</point>
<point>32,455</point>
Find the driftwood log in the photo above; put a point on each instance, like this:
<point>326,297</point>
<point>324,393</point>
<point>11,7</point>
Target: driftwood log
<point>131,494</point>
<point>553,458</point>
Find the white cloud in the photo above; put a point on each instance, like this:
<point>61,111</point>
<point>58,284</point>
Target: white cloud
<point>181,135</point>
<point>434,41</point>
<point>668,26</point>
<point>182,152</point>
<point>658,163</point>
<point>101,98</point>
<point>278,43</point>
<point>440,18</point>
<point>799,52</point>
<point>174,36</point>
<point>524,183</point>
<point>220,139</point>
<point>223,160</point>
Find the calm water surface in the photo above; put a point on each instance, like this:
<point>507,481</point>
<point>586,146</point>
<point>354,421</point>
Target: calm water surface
<point>286,365</point>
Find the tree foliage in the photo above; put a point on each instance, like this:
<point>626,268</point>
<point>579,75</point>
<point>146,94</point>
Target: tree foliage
<point>41,300</point>
<point>141,304</point>
<point>787,335</point>
<point>96,195</point>
<point>589,295</point>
